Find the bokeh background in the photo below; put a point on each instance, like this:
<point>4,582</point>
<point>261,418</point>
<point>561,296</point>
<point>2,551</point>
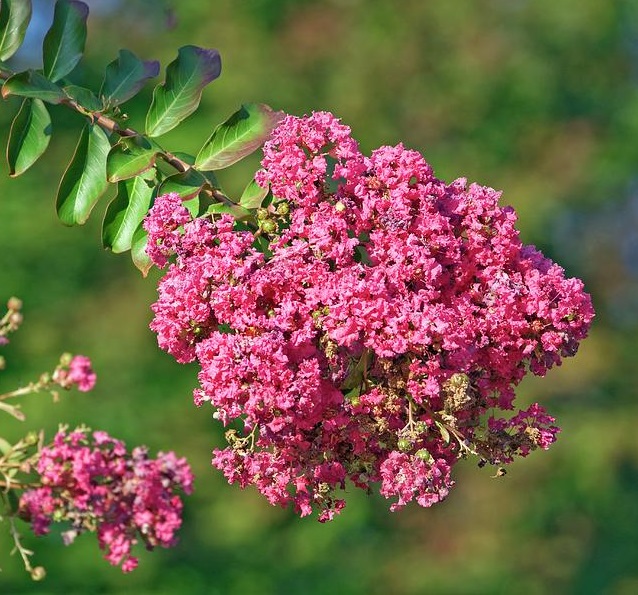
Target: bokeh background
<point>536,97</point>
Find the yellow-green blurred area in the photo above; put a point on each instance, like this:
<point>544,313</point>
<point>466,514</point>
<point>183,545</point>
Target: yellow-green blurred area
<point>535,97</point>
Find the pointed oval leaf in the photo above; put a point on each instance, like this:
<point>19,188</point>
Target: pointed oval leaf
<point>253,195</point>
<point>244,132</point>
<point>84,180</point>
<point>84,97</point>
<point>187,184</point>
<point>5,447</point>
<point>130,157</point>
<point>125,77</point>
<point>32,84</point>
<point>445,434</point>
<point>63,44</point>
<point>125,213</point>
<point>178,97</point>
<point>138,251</point>
<point>14,19</point>
<point>186,157</point>
<point>29,136</point>
<point>237,211</point>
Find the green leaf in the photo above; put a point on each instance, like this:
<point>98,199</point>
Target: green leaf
<point>138,251</point>
<point>253,195</point>
<point>5,447</point>
<point>14,19</point>
<point>179,95</point>
<point>63,44</point>
<point>187,184</point>
<point>130,157</point>
<point>236,211</point>
<point>185,157</point>
<point>32,84</point>
<point>126,76</point>
<point>445,434</point>
<point>125,213</point>
<point>84,97</point>
<point>29,136</point>
<point>357,374</point>
<point>84,180</point>
<point>244,132</point>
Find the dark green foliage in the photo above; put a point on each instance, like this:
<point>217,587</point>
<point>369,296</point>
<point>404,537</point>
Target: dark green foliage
<point>108,151</point>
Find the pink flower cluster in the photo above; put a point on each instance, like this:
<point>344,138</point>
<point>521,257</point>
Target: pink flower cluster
<point>76,371</point>
<point>365,330</point>
<point>92,483</point>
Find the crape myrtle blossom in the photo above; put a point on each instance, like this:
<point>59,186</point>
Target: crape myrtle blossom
<point>372,331</point>
<point>75,371</point>
<point>92,483</point>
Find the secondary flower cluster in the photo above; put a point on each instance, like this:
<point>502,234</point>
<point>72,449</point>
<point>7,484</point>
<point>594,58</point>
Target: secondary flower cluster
<point>74,371</point>
<point>367,328</point>
<point>92,483</point>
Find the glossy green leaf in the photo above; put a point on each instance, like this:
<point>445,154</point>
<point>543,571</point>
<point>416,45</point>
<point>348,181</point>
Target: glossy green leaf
<point>126,76</point>
<point>29,136</point>
<point>125,213</point>
<point>63,44</point>
<point>185,157</point>
<point>130,157</point>
<point>84,180</point>
<point>32,84</point>
<point>187,184</point>
<point>253,195</point>
<point>244,132</point>
<point>212,179</point>
<point>84,97</point>
<point>238,212</point>
<point>178,97</point>
<point>138,251</point>
<point>14,19</point>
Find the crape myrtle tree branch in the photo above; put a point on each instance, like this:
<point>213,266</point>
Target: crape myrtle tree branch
<point>356,321</point>
<point>85,480</point>
<point>108,150</point>
<point>89,481</point>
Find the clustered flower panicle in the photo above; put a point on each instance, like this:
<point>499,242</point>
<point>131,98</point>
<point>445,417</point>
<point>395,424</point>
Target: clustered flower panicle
<point>92,483</point>
<point>75,371</point>
<point>370,326</point>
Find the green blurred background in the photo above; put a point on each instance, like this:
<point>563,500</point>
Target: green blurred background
<point>536,97</point>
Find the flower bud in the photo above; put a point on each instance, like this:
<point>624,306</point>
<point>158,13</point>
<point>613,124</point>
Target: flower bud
<point>38,573</point>
<point>283,208</point>
<point>65,359</point>
<point>262,214</point>
<point>268,225</point>
<point>31,438</point>
<point>403,444</point>
<point>420,427</point>
<point>15,319</point>
<point>3,363</point>
<point>424,455</point>
<point>14,304</point>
